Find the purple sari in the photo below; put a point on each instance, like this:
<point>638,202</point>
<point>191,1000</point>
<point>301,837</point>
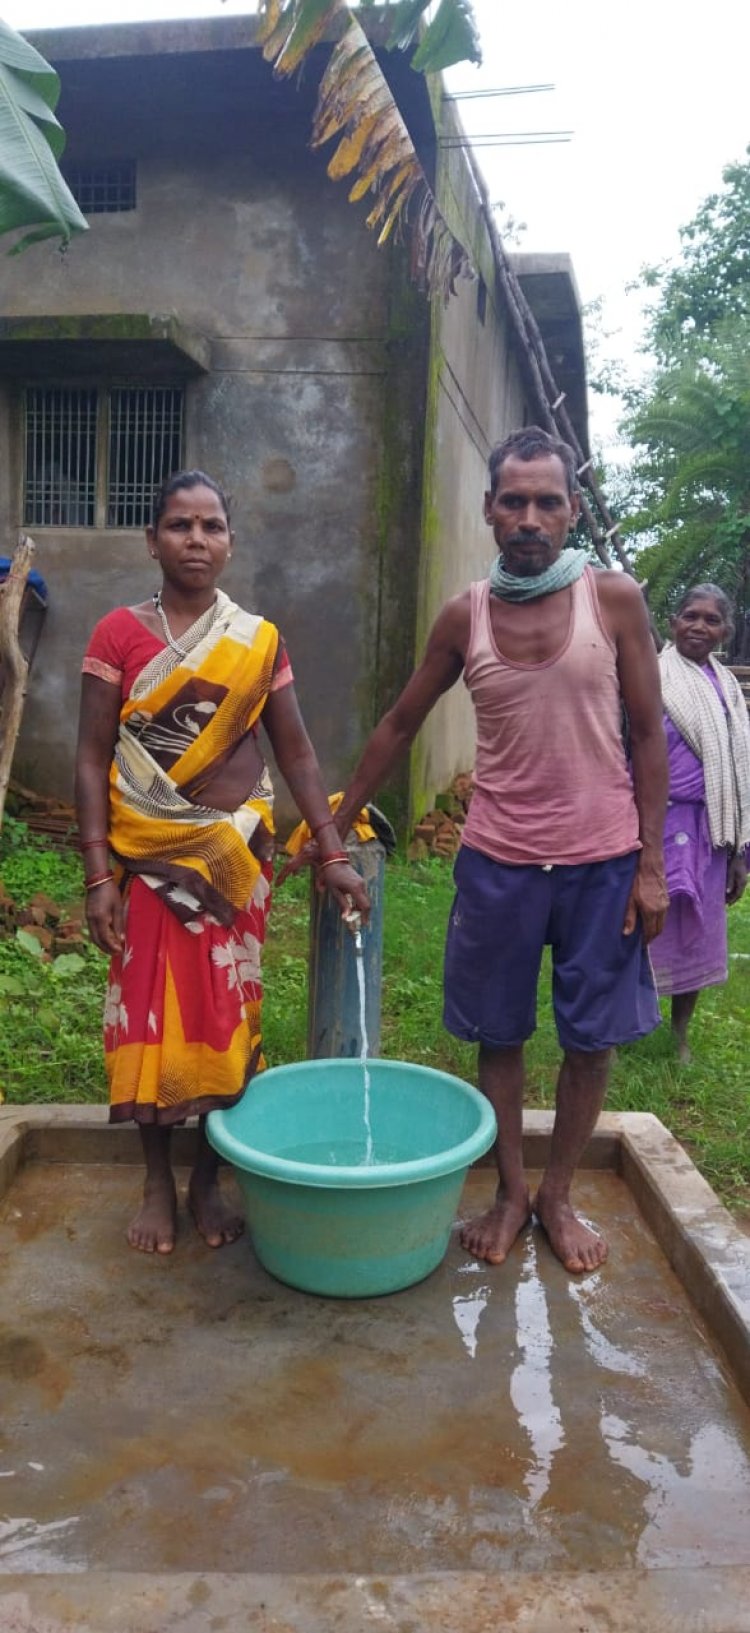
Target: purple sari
<point>691,951</point>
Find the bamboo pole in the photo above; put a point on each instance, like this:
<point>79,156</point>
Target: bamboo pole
<point>12,660</point>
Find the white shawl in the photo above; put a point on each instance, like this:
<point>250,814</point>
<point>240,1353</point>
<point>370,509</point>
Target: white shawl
<point>721,740</point>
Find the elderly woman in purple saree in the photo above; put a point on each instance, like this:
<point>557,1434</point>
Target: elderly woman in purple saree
<point>707,826</point>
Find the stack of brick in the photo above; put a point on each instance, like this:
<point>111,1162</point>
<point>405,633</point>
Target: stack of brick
<point>438,833</point>
<point>54,818</point>
<point>56,929</point>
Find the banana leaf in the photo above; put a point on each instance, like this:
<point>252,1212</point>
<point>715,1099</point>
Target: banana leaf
<point>290,28</point>
<point>32,191</point>
<point>451,37</point>
<point>356,104</point>
<point>288,31</point>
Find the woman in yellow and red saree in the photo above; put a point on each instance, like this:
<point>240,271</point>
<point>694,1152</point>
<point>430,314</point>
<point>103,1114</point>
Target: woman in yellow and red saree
<point>175,814</point>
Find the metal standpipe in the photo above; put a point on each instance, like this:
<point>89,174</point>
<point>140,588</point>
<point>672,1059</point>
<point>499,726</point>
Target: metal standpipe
<point>333,1023</point>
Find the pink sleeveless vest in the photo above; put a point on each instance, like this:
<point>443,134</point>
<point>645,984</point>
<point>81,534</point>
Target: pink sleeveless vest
<point>551,782</point>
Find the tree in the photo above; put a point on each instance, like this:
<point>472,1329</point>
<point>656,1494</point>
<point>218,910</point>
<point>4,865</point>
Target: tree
<point>711,284</point>
<point>33,194</point>
<point>691,422</point>
<point>355,104</point>
<point>694,433</point>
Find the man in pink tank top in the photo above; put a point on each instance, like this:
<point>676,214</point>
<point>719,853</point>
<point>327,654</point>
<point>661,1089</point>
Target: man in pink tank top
<point>563,842</point>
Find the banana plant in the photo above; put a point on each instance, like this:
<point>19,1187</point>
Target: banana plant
<point>356,105</point>
<point>290,29</point>
<point>33,193</point>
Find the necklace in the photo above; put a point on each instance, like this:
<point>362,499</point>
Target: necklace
<point>180,650</point>
<point>195,634</point>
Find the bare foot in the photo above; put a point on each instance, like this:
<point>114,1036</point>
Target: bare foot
<point>577,1246</point>
<point>492,1235</point>
<point>214,1220</point>
<point>154,1227</point>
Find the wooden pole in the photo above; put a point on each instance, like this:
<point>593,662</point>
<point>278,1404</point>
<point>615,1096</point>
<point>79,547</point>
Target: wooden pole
<point>12,661</point>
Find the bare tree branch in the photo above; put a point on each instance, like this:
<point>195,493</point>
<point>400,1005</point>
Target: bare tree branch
<point>13,665</point>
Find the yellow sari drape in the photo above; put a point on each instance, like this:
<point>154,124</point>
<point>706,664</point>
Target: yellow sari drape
<point>182,1028</point>
<point>180,723</point>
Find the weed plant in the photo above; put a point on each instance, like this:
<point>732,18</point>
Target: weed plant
<point>50,1012</point>
<point>30,863</point>
<point>50,1025</point>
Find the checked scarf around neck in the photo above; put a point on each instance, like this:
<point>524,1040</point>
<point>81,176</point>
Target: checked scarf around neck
<point>569,566</point>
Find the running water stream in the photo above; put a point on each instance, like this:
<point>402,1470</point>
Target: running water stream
<point>360,960</point>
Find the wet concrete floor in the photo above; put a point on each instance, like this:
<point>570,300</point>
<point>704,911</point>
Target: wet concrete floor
<point>191,1414</point>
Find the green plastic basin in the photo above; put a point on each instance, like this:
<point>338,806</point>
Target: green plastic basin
<point>321,1218</point>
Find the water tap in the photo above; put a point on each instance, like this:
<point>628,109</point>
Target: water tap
<point>352,918</point>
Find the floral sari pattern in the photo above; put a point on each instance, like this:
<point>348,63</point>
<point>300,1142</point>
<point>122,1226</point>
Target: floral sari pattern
<point>182,1029</point>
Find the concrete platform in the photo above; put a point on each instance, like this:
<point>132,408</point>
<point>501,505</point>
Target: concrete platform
<point>185,1443</point>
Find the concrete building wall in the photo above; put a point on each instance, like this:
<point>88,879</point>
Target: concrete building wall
<point>476,396</point>
<point>311,413</point>
<point>349,419</point>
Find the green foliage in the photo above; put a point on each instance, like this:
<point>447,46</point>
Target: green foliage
<point>50,1010</point>
<point>603,375</point>
<point>50,1023</point>
<point>711,283</point>
<point>32,191</point>
<point>14,835</point>
<point>693,432</point>
<point>690,485</point>
<point>29,863</point>
<point>291,27</point>
<point>450,37</point>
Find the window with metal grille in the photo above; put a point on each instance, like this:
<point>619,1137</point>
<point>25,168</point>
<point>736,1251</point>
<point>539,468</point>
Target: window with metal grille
<point>61,436</point>
<point>145,440</point>
<point>95,458</point>
<point>103,189</point>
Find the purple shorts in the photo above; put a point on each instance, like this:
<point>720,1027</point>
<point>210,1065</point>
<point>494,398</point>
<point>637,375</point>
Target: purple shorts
<point>502,917</point>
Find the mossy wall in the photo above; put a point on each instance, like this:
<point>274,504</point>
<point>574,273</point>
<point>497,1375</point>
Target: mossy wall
<point>475,397</point>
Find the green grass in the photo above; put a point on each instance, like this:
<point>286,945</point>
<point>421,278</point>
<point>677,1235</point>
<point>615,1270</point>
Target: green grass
<point>29,863</point>
<point>50,1017</point>
<point>706,1104</point>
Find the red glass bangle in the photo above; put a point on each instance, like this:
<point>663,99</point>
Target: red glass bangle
<point>101,879</point>
<point>91,844</point>
<point>329,861</point>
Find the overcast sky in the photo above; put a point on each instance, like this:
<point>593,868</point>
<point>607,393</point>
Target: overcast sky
<point>655,93</point>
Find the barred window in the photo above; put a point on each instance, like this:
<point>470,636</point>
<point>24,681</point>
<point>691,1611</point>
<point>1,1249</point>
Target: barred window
<point>103,189</point>
<point>61,430</point>
<point>94,458</point>
<point>145,441</point>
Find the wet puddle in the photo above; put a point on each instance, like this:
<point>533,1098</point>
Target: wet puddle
<point>193,1414</point>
